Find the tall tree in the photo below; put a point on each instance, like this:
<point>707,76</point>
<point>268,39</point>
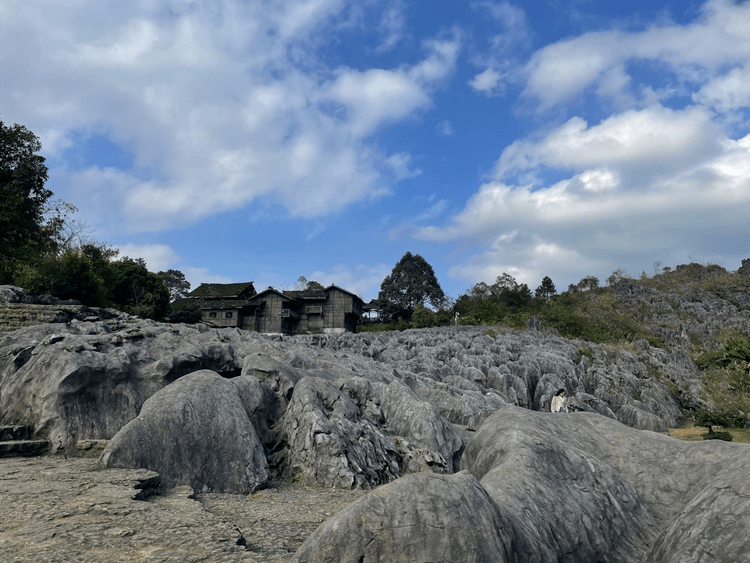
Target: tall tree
<point>137,291</point>
<point>24,231</point>
<point>546,289</point>
<point>411,282</point>
<point>176,283</point>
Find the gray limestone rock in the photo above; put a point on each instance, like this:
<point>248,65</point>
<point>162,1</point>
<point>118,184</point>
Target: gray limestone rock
<point>543,487</point>
<point>87,380</point>
<point>593,489</point>
<point>329,442</point>
<point>193,432</point>
<point>11,294</point>
<point>418,519</point>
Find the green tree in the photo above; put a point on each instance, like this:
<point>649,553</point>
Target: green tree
<point>546,289</point>
<point>588,283</point>
<point>137,291</point>
<point>411,282</point>
<point>303,284</point>
<point>507,291</point>
<point>176,283</point>
<point>69,275</point>
<point>422,317</point>
<point>24,230</point>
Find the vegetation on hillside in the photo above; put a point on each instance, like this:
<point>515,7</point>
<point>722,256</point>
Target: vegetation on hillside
<point>600,314</point>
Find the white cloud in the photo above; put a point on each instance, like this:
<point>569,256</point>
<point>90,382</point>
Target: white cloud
<point>375,97</point>
<point>400,164</point>
<point>500,59</point>
<point>727,92</point>
<point>656,183</point>
<point>221,105</point>
<point>445,128</point>
<point>392,24</point>
<point>486,82</point>
<point>158,257</point>
<point>695,53</point>
<point>643,143</point>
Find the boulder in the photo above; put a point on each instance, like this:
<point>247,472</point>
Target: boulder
<point>590,488</point>
<point>11,294</point>
<point>418,519</point>
<point>542,487</point>
<point>193,432</point>
<point>87,380</point>
<point>329,442</point>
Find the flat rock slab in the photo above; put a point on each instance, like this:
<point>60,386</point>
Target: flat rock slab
<point>57,509</point>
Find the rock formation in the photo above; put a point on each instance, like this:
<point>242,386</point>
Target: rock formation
<point>497,476</point>
<point>540,487</point>
<point>348,410</point>
<point>194,432</point>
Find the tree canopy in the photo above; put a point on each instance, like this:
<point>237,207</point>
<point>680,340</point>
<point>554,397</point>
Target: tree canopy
<point>45,252</point>
<point>176,283</point>
<point>546,289</point>
<point>412,282</point>
<point>24,230</point>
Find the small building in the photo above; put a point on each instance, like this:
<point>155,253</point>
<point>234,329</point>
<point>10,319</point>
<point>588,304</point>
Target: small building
<point>331,309</point>
<point>273,312</point>
<point>223,304</point>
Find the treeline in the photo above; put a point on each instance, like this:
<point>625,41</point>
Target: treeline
<point>46,252</point>
<point>585,310</point>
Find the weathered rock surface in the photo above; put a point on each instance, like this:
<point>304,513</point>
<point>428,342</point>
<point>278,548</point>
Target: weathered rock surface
<point>555,487</point>
<point>456,369</point>
<point>614,490</point>
<point>411,399</point>
<point>194,432</point>
<point>415,520</point>
<point>683,313</point>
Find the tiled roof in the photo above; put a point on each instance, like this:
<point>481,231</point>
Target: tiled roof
<point>223,290</point>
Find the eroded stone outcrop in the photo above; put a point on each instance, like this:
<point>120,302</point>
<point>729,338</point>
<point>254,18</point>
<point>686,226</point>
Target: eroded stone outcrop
<point>195,432</point>
<point>412,399</point>
<point>414,520</point>
<point>544,487</point>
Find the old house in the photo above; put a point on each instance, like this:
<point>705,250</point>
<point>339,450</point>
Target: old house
<point>222,304</point>
<point>273,313</point>
<point>331,309</point>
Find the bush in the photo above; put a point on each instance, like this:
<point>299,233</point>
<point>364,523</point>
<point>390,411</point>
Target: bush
<point>725,419</point>
<point>726,436</point>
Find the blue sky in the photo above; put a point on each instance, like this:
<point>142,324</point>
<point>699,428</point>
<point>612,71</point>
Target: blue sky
<point>268,140</point>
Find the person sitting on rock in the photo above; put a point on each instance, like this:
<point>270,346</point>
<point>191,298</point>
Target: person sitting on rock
<point>559,402</point>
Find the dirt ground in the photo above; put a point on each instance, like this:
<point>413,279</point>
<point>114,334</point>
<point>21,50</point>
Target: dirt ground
<point>65,510</point>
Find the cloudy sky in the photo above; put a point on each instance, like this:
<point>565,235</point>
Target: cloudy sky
<point>264,140</point>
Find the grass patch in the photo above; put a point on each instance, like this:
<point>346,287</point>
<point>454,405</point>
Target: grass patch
<point>696,433</point>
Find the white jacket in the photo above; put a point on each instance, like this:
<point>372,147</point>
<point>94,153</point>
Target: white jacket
<point>559,403</point>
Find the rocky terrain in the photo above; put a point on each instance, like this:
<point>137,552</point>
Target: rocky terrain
<point>450,427</point>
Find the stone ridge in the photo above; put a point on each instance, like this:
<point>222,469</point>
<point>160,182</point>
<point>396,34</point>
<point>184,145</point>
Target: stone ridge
<point>345,410</point>
<point>539,487</point>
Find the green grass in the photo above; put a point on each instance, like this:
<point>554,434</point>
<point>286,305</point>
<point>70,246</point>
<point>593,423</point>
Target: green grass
<point>696,433</point>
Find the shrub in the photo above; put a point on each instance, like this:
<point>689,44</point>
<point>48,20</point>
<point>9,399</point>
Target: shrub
<point>726,436</point>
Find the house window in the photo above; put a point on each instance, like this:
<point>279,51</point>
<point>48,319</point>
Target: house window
<point>314,310</point>
<point>229,315</point>
<point>212,315</point>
